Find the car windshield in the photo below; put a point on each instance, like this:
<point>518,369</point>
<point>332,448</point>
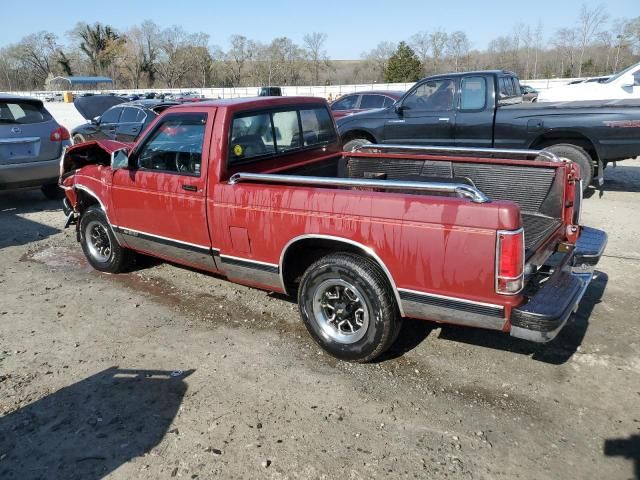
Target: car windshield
<point>620,74</point>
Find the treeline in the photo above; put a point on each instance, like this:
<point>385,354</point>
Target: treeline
<point>147,55</point>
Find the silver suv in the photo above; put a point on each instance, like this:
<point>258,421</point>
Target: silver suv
<point>31,143</point>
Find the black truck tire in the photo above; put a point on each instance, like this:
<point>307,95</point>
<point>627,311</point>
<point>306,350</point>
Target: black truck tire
<point>578,155</point>
<point>356,142</point>
<point>99,243</point>
<point>348,307</point>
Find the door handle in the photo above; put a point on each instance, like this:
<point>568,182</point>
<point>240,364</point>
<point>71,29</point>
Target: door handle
<point>443,119</point>
<point>190,188</point>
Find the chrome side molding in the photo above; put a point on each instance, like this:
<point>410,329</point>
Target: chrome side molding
<point>477,151</point>
<point>460,189</point>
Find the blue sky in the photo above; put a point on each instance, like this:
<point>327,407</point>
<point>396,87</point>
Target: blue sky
<point>352,26</point>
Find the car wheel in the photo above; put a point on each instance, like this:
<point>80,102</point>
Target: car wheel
<point>578,155</point>
<point>348,307</point>
<point>52,191</point>
<point>77,138</point>
<point>355,143</point>
<point>99,244</point>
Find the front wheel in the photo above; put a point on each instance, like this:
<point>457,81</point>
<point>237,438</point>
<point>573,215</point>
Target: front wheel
<point>348,307</point>
<point>99,244</point>
<point>355,143</point>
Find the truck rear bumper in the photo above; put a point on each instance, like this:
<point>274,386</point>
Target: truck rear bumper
<point>547,311</point>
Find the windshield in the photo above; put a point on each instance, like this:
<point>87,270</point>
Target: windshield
<point>619,74</point>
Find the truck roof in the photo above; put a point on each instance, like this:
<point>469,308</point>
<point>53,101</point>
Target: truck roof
<point>475,72</point>
<point>248,103</point>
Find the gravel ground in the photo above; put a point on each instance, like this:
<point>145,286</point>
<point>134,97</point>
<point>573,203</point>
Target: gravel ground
<point>167,372</point>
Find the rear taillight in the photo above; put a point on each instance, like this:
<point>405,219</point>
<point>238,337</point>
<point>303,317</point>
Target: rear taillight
<point>510,261</point>
<point>59,134</point>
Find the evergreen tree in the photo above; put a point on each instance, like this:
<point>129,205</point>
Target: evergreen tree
<point>404,66</point>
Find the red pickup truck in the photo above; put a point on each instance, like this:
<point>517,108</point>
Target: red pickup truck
<point>260,191</point>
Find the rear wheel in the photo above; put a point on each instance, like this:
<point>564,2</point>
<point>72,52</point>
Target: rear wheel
<point>578,155</point>
<point>99,244</point>
<point>355,143</point>
<point>52,191</point>
<point>348,307</point>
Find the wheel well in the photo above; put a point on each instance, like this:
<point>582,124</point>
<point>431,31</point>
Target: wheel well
<point>571,138</point>
<point>304,252</point>
<point>353,134</point>
<point>85,200</point>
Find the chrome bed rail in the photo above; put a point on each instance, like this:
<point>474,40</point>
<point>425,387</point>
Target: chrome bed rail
<point>460,189</point>
<point>464,150</point>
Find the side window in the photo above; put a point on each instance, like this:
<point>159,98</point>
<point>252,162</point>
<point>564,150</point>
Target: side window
<point>506,87</point>
<point>388,101</point>
<point>433,95</point>
<point>287,129</point>
<point>317,126</point>
<point>175,145</point>
<point>372,101</point>
<point>516,86</point>
<point>111,116</point>
<point>129,115</point>
<point>251,136</point>
<point>345,103</point>
<point>474,93</point>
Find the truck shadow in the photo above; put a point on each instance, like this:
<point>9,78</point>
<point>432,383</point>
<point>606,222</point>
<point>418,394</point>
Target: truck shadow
<point>556,352</point>
<point>17,230</point>
<point>622,178</point>
<point>628,448</point>
<point>90,428</point>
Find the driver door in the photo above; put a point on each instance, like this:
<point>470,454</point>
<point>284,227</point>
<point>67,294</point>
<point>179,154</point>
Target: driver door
<point>426,115</point>
<point>160,200</point>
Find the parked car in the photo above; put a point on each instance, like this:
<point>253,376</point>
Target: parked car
<point>112,119</point>
<point>485,109</point>
<point>130,97</point>
<point>31,144</point>
<point>358,102</point>
<point>259,190</point>
<point>270,92</point>
<point>54,97</point>
<point>624,85</point>
<point>529,94</point>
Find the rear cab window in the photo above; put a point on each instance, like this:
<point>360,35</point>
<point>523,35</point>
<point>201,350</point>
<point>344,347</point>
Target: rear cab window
<point>279,131</point>
<point>21,112</point>
<point>474,93</point>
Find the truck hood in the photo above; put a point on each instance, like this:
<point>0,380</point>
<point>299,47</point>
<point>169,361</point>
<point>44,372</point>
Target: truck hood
<point>95,152</point>
<point>95,105</point>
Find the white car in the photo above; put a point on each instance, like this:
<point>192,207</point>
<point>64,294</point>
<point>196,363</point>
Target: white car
<point>621,86</point>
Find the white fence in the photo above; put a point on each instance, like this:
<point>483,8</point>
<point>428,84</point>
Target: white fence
<point>325,91</point>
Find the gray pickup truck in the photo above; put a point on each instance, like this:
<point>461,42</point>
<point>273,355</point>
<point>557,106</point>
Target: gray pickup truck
<point>485,109</point>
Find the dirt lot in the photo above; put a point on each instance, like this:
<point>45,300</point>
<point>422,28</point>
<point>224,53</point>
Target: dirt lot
<point>166,372</point>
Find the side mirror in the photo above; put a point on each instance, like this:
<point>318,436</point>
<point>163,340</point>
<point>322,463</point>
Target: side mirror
<point>120,159</point>
<point>399,108</point>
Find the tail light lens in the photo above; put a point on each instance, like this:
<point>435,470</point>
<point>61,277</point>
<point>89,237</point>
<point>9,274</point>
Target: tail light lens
<point>510,261</point>
<point>59,134</point>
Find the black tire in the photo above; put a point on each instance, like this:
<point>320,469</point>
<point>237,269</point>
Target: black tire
<point>77,138</point>
<point>379,315</point>
<point>356,142</point>
<point>99,244</point>
<point>578,155</point>
<point>52,191</point>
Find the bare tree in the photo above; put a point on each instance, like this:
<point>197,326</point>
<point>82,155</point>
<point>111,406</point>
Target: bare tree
<point>438,41</point>
<point>458,48</point>
<point>566,41</point>
<point>589,24</point>
<point>38,54</point>
<point>378,58</point>
<point>421,44</point>
<point>316,54</point>
<point>100,43</point>
<point>141,51</point>
<point>239,54</point>
<point>538,38</point>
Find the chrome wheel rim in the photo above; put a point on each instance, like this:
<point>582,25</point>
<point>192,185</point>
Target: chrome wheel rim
<point>98,241</point>
<point>340,311</point>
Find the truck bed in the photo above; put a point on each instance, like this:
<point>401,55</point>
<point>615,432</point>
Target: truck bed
<point>531,187</point>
